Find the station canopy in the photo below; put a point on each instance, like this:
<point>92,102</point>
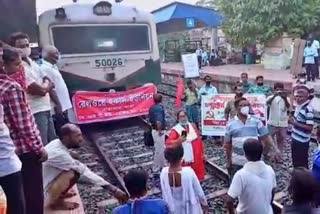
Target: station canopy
<point>189,13</point>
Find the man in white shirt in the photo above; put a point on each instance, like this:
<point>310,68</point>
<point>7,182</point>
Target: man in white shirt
<point>62,103</point>
<point>199,52</point>
<point>61,171</point>
<point>279,105</point>
<point>316,46</point>
<point>39,88</point>
<point>253,184</point>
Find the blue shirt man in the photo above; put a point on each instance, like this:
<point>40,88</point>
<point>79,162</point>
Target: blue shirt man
<point>208,88</point>
<point>309,54</point>
<point>156,112</point>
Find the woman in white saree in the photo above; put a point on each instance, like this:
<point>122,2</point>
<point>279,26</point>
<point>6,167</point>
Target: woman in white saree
<point>180,186</point>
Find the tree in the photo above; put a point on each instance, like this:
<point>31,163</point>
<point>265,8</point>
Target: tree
<point>249,20</point>
<point>207,3</point>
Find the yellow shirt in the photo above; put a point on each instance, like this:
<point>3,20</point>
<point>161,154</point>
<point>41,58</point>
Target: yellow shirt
<point>191,97</point>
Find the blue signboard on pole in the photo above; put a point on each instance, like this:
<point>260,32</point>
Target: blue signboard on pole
<point>190,22</point>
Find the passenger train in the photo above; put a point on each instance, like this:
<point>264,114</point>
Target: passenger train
<point>103,46</point>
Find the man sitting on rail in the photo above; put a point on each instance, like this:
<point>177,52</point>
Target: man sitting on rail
<point>62,171</point>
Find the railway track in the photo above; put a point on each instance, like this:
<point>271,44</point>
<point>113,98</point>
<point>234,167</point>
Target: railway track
<point>121,148</point>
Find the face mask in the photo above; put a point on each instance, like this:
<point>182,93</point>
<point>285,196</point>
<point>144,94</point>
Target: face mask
<point>245,110</point>
<point>26,52</point>
<point>260,84</point>
<point>302,81</point>
<point>183,123</point>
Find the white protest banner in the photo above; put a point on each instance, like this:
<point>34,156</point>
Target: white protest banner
<point>191,66</point>
<point>213,122</point>
<point>258,105</point>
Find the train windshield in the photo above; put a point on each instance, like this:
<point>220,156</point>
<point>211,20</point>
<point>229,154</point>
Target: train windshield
<point>88,39</point>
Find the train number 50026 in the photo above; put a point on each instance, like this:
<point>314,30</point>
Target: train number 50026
<point>116,62</point>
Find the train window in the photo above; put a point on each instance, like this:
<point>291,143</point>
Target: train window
<point>101,38</point>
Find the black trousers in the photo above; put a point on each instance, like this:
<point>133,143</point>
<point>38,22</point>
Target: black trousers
<point>316,68</point>
<point>300,154</point>
<point>13,189</point>
<point>32,183</point>
<point>311,73</point>
<point>200,61</point>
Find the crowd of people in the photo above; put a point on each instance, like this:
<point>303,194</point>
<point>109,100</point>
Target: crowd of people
<point>248,143</point>
<point>38,167</point>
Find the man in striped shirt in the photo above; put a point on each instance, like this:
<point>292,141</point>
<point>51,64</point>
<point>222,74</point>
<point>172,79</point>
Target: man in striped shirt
<point>302,125</point>
<point>242,127</point>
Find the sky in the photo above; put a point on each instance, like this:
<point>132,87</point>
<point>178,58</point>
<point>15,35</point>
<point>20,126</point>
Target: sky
<point>147,5</point>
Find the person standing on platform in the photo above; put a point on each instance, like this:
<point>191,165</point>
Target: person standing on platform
<point>180,186</point>
<point>316,46</point>
<point>309,61</point>
<point>244,81</point>
<point>254,184</point>
<point>10,170</point>
<point>139,203</point>
<point>62,171</point>
<point>61,102</point>
<point>260,88</point>
<point>279,105</point>
<point>302,125</point>
<point>242,127</point>
<point>24,133</point>
<point>187,135</point>
<point>191,98</point>
<point>199,52</point>
<point>38,88</point>
<point>230,111</point>
<point>157,112</point>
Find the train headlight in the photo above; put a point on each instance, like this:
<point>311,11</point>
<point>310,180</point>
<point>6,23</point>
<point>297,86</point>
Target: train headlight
<point>102,8</point>
<point>60,13</point>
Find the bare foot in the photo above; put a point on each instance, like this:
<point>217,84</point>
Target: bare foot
<point>64,205</point>
<point>69,194</point>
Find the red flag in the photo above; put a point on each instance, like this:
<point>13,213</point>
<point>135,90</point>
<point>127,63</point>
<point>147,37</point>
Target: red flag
<point>180,92</point>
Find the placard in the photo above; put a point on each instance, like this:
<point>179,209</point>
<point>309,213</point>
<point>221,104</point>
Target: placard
<point>191,66</point>
<point>213,122</point>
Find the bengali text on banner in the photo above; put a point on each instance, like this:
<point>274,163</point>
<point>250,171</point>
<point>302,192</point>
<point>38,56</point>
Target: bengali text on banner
<point>213,120</point>
<point>93,107</point>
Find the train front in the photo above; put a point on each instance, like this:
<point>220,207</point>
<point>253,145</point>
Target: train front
<point>103,46</point>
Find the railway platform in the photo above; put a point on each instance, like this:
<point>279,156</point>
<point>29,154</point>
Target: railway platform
<point>225,76</point>
<point>76,199</point>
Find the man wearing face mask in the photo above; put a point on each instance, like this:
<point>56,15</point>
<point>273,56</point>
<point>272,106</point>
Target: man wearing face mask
<point>260,88</point>
<point>38,86</point>
<point>230,111</point>
<point>208,88</point>
<point>61,103</point>
<point>242,127</point>
<point>309,61</point>
<point>302,126</point>
<point>279,105</point>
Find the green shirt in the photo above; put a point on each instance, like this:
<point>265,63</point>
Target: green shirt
<point>191,97</point>
<point>260,90</point>
<point>246,87</point>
